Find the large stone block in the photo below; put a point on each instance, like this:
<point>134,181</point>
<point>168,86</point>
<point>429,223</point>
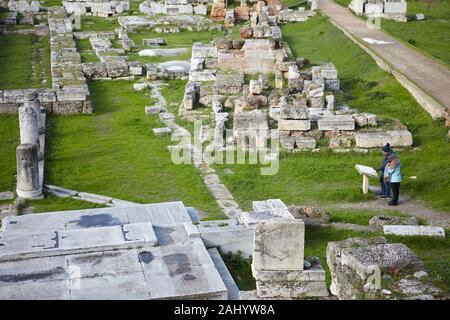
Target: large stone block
<point>294,125</point>
<point>402,230</point>
<point>396,138</point>
<point>337,122</point>
<point>294,112</point>
<point>278,245</point>
<point>355,262</point>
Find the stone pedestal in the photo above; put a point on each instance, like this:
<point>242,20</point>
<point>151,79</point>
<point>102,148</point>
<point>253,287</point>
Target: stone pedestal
<point>278,264</point>
<point>28,184</point>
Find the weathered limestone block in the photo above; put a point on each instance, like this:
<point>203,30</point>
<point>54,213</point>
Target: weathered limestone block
<point>117,69</point>
<point>218,12</point>
<point>330,101</point>
<point>353,263</point>
<point>253,120</point>
<point>191,96</point>
<point>402,230</point>
<point>332,85</point>
<point>201,9</point>
<point>392,220</point>
<point>255,87</point>
<point>278,245</point>
<point>339,142</point>
<point>28,184</point>
<point>278,261</point>
<point>228,83</point>
<point>95,70</point>
<point>278,80</point>
<point>310,215</point>
<point>294,111</point>
<point>136,68</point>
<point>365,119</point>
<point>29,127</point>
<point>287,142</point>
<point>242,13</point>
<point>337,122</point>
<point>264,80</point>
<point>152,71</point>
<point>290,125</point>
<point>303,142</point>
<point>396,138</point>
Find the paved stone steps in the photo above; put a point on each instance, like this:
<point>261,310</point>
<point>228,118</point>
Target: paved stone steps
<point>64,242</point>
<point>159,214</point>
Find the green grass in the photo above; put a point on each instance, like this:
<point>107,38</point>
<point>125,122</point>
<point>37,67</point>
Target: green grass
<point>182,39</point>
<point>9,140</point>
<point>85,49</point>
<point>240,269</point>
<point>52,203</point>
<point>16,56</point>
<point>115,153</point>
<point>360,217</point>
<point>325,177</point>
<point>431,35</point>
<point>97,24</point>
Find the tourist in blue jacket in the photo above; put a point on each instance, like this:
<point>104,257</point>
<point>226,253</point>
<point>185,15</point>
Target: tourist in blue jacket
<point>384,181</point>
<point>395,177</point>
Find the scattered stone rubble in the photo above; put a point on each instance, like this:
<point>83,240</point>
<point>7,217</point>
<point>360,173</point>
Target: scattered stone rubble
<point>370,268</point>
<point>386,9</point>
<point>301,104</point>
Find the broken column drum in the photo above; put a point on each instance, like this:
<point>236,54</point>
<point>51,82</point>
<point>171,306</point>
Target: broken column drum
<point>29,128</point>
<point>28,185</point>
<point>32,100</point>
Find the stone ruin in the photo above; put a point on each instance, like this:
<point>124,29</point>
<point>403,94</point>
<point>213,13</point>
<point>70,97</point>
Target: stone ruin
<point>301,102</point>
<point>167,23</point>
<point>21,12</point>
<point>30,152</point>
<point>100,8</point>
<point>174,7</point>
<point>387,9</point>
<point>69,93</point>
<point>24,6</point>
<point>373,268</point>
<point>247,9</point>
<point>278,262</point>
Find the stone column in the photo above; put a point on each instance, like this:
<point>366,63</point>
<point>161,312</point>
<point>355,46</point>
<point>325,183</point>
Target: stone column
<point>29,126</point>
<point>28,184</point>
<point>32,100</point>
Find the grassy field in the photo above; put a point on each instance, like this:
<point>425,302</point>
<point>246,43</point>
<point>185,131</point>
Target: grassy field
<point>9,139</point>
<point>115,153</point>
<point>17,54</point>
<point>325,177</point>
<point>431,35</point>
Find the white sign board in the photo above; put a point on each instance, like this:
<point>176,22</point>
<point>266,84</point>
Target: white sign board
<point>366,171</point>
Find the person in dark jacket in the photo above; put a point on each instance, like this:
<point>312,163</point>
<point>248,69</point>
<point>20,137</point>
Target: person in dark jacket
<point>384,178</point>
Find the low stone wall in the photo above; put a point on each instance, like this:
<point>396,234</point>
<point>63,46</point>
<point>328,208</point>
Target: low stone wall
<point>12,100</point>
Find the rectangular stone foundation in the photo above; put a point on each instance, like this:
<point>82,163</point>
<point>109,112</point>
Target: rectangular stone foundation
<point>291,284</point>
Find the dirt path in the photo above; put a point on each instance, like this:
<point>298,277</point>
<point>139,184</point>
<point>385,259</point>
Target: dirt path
<point>426,73</point>
<point>407,205</point>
